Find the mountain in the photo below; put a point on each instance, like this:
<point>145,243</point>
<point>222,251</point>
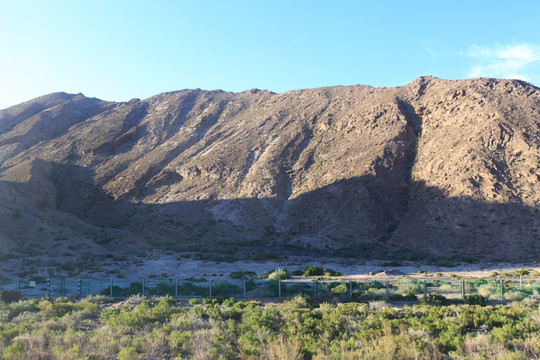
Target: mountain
<point>435,168</point>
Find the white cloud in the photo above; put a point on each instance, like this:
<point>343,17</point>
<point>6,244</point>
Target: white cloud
<point>505,61</point>
<point>427,44</point>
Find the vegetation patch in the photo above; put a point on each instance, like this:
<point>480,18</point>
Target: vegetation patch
<point>224,328</point>
<point>318,271</point>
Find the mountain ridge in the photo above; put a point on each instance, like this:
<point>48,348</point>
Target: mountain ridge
<point>432,168</point>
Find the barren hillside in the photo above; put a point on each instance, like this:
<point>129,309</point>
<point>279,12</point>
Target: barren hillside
<point>435,168</point>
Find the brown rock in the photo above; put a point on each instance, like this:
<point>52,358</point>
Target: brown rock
<point>433,168</point>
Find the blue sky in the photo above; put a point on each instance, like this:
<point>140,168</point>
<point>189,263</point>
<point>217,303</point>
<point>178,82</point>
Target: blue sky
<point>118,50</point>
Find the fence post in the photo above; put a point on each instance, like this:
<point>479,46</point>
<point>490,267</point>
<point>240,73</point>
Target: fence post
<point>18,284</point>
<point>462,289</point>
<point>502,289</point>
<point>350,288</point>
<point>279,288</point>
<point>49,287</point>
<point>175,287</point>
<point>425,291</point>
<point>80,288</point>
<point>210,289</point>
<point>110,287</point>
<point>245,293</point>
<point>387,291</point>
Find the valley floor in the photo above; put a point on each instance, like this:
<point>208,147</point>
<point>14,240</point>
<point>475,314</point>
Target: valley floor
<point>159,264</point>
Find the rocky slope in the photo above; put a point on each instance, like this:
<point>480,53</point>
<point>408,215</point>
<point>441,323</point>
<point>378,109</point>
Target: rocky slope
<point>434,168</point>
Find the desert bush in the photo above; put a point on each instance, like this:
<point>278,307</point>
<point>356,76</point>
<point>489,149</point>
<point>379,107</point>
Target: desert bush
<point>373,294</point>
<point>127,353</point>
<point>97,299</point>
<point>515,295</point>
<point>14,351</point>
<point>318,271</point>
<point>282,349</point>
<point>408,289</point>
<point>434,299</point>
<point>278,274</point>
<point>340,289</point>
<point>476,299</point>
<point>195,301</point>
<point>245,275</point>
<point>163,328</point>
<point>489,290</point>
<point>298,302</point>
<point>517,272</point>
<point>9,296</point>
<point>313,271</point>
<point>378,304</point>
<point>181,343</point>
<point>16,308</point>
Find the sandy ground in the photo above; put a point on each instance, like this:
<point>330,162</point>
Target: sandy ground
<point>171,267</point>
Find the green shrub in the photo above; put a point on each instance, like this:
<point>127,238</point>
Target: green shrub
<point>247,330</point>
<point>245,275</point>
<point>21,307</point>
<point>9,296</point>
<point>180,343</point>
<point>517,272</point>
<point>313,271</point>
<point>319,271</point>
<point>127,353</point>
<point>328,272</point>
<point>213,301</point>
<point>476,299</point>
<point>14,351</point>
<point>434,299</point>
<point>340,289</point>
<point>404,297</point>
<point>479,282</point>
<point>229,301</point>
<point>59,308</point>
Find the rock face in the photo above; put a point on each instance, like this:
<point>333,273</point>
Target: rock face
<point>433,168</point>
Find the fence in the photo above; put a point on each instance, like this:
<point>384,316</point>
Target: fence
<point>395,290</point>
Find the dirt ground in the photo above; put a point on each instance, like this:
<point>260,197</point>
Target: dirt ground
<point>163,265</point>
<point>172,267</point>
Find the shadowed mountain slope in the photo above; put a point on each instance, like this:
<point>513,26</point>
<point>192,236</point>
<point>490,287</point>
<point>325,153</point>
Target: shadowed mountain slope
<point>433,168</point>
